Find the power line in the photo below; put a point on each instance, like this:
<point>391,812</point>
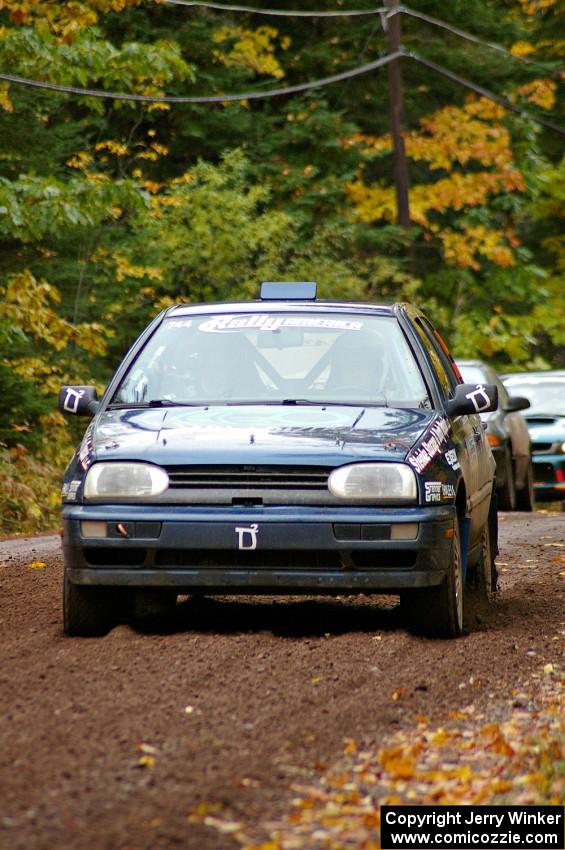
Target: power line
<point>283,13</point>
<point>437,22</point>
<point>383,11</point>
<point>257,95</point>
<point>502,101</point>
<point>220,98</point>
<point>300,87</point>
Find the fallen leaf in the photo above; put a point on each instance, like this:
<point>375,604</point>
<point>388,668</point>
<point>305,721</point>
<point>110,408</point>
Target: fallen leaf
<point>149,749</point>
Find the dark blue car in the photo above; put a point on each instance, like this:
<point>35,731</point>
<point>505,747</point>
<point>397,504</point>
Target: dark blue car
<point>280,446</point>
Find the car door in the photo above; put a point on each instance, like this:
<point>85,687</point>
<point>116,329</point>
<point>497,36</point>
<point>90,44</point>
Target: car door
<point>467,430</point>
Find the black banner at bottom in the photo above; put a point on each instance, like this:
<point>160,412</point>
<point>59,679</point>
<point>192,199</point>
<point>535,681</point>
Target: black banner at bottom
<point>472,827</point>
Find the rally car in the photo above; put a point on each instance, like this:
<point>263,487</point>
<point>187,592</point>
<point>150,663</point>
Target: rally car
<point>280,446</point>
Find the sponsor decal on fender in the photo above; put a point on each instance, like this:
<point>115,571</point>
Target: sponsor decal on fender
<point>69,490</point>
<point>451,458</point>
<point>430,446</point>
<point>437,491</point>
<point>85,451</point>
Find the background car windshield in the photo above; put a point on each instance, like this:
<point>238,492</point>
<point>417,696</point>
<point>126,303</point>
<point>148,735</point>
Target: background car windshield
<point>472,374</point>
<point>273,357</point>
<point>546,395</point>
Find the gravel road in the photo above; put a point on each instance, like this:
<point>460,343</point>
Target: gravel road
<point>112,743</point>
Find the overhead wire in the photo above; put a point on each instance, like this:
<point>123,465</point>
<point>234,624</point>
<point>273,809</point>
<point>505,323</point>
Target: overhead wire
<point>220,98</point>
<point>437,22</point>
<point>385,12</point>
<point>283,13</point>
<point>257,95</point>
<point>502,101</point>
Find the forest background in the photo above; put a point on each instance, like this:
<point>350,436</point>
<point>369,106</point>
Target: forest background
<point>111,209</point>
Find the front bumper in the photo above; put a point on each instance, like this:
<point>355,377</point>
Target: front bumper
<point>259,550</point>
<point>549,476</point>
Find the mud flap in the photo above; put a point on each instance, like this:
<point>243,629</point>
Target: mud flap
<point>464,530</point>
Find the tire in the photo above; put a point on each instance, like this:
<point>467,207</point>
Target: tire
<point>525,497</point>
<point>154,609</point>
<point>482,581</point>
<point>438,611</point>
<point>507,493</point>
<point>86,610</point>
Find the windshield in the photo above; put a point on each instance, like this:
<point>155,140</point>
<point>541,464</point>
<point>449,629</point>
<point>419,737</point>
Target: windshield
<point>472,374</point>
<point>276,358</point>
<point>546,395</point>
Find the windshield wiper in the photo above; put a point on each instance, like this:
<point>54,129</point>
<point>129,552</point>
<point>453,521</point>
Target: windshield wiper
<point>155,402</point>
<point>306,402</point>
<point>298,401</point>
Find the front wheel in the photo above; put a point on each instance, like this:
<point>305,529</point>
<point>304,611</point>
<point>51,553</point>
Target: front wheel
<point>507,493</point>
<point>525,497</point>
<point>438,611</point>
<point>86,610</point>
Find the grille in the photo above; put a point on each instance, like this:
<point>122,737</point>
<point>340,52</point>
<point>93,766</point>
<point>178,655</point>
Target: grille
<point>222,559</point>
<point>542,447</point>
<point>248,477</point>
<point>291,560</point>
<point>544,473</point>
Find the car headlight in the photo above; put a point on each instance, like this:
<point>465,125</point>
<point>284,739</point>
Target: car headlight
<point>123,480</point>
<point>374,482</point>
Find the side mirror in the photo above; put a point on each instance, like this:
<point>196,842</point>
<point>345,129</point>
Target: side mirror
<point>473,398</point>
<point>81,401</point>
<point>515,403</point>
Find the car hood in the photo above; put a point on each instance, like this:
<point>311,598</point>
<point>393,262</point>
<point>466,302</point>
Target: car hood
<point>263,434</point>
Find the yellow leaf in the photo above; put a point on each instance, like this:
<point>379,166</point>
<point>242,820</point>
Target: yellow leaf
<point>399,767</point>
<point>36,565</point>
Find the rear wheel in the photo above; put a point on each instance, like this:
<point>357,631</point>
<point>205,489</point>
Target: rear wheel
<point>482,581</point>
<point>525,497</point>
<point>507,493</point>
<point>438,611</point>
<point>87,611</point>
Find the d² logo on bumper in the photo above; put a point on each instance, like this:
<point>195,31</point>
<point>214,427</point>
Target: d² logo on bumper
<point>247,537</point>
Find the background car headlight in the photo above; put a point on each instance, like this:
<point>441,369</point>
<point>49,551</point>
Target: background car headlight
<point>120,480</point>
<point>374,482</point>
<point>493,439</point>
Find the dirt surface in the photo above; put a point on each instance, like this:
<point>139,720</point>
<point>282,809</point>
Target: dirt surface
<point>112,743</point>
